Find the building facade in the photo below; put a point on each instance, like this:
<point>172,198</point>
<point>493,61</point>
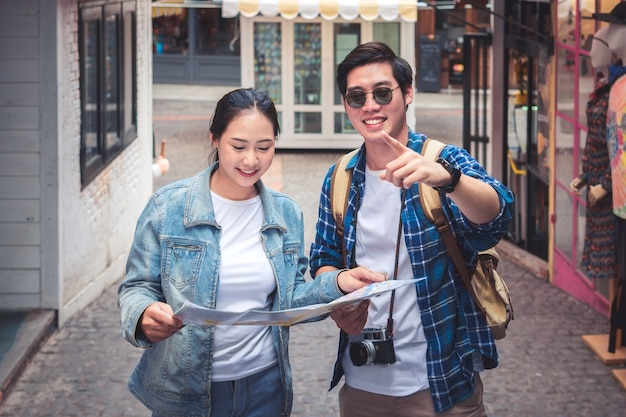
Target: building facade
<point>75,146</point>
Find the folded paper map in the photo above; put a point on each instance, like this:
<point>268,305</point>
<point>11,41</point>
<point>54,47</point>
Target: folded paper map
<point>191,313</point>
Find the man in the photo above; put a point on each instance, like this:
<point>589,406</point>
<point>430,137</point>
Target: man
<point>415,352</point>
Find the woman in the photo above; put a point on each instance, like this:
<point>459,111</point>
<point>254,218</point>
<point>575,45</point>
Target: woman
<point>221,240</point>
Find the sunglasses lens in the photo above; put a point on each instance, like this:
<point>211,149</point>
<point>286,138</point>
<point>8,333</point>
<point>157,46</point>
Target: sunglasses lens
<point>383,95</point>
<point>355,99</point>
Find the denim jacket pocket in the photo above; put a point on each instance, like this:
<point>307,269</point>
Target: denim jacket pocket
<point>182,261</point>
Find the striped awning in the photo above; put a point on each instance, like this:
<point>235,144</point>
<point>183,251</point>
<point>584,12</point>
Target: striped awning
<point>328,9</point>
<point>166,8</point>
<point>179,7</point>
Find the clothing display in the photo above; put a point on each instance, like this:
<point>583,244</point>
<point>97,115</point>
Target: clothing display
<point>615,137</point>
<point>599,256</point>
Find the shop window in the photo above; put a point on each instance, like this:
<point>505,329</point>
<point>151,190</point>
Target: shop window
<point>107,63</point>
<point>308,122</point>
<point>389,33</point>
<point>216,35</point>
<point>343,124</point>
<point>307,57</point>
<point>346,37</point>
<point>170,34</point>
<point>268,59</point>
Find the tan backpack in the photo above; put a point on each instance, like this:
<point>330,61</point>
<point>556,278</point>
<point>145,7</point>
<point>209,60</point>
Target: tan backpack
<point>485,285</point>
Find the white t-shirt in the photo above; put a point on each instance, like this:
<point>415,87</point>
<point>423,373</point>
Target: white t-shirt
<point>246,281</point>
<point>377,231</point>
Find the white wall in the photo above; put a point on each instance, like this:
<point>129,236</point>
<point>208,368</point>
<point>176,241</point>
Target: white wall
<point>98,221</point>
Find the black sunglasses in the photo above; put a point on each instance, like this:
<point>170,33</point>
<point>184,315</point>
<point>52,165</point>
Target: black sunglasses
<point>382,95</point>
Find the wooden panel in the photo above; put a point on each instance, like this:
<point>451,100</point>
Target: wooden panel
<point>426,22</point>
<point>19,48</point>
<point>22,7</point>
<point>19,163</point>
<point>23,26</point>
<point>19,301</point>
<point>19,117</point>
<point>19,234</point>
<point>19,210</point>
<point>19,94</point>
<point>19,281</point>
<point>19,187</point>
<point>19,141</point>
<point>599,344</point>
<point>19,257</point>
<point>19,70</point>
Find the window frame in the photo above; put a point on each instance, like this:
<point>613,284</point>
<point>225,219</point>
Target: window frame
<point>107,33</point>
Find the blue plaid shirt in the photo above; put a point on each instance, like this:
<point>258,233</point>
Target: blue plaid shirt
<point>454,328</point>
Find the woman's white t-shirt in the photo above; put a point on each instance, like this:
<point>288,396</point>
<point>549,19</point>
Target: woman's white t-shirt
<point>246,281</point>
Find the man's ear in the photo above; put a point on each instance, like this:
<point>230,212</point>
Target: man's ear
<point>408,96</point>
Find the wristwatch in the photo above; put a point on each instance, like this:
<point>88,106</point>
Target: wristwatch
<point>456,175</point>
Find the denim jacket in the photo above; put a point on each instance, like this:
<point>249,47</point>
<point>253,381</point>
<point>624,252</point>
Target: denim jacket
<point>175,256</point>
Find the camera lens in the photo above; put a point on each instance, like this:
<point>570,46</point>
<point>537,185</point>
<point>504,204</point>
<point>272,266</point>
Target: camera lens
<point>362,353</point>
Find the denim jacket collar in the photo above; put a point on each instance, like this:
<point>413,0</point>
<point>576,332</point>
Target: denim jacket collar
<point>199,204</point>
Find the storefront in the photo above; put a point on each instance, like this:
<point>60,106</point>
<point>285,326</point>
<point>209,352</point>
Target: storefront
<point>575,81</point>
<point>544,105</point>
<point>194,44</point>
<point>291,50</point>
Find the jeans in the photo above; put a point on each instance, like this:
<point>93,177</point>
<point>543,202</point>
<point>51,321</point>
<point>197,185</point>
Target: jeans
<point>259,395</point>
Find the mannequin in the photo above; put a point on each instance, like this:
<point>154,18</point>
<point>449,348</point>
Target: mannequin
<point>616,134</point>
<point>599,257</point>
<point>600,54</point>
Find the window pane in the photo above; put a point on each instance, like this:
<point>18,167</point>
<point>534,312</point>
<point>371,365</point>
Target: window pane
<point>268,59</point>
<point>216,35</point>
<point>308,122</point>
<point>307,57</point>
<point>90,120</point>
<point>563,229</point>
<point>343,124</point>
<point>564,158</point>
<point>111,84</point>
<point>129,79</point>
<point>346,37</point>
<point>389,33</point>
<point>169,33</point>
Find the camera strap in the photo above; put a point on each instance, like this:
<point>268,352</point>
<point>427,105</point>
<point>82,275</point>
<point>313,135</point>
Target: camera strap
<point>389,330</point>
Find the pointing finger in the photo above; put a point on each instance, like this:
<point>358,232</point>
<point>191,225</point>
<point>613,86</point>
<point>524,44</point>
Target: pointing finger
<point>394,144</point>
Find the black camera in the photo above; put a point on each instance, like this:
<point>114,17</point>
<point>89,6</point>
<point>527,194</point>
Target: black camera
<point>372,347</point>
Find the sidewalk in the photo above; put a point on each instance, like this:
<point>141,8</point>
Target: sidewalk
<point>545,368</point>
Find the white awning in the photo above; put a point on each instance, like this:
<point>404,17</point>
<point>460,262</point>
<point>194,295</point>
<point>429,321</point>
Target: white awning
<point>328,9</point>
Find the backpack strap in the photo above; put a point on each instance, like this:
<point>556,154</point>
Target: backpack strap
<point>430,198</point>
<point>431,204</point>
<point>340,189</point>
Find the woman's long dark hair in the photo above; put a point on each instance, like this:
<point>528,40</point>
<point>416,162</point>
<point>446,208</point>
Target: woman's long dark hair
<point>233,104</point>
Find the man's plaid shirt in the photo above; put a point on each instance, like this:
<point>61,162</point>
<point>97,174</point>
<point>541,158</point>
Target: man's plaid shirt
<point>454,328</point>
